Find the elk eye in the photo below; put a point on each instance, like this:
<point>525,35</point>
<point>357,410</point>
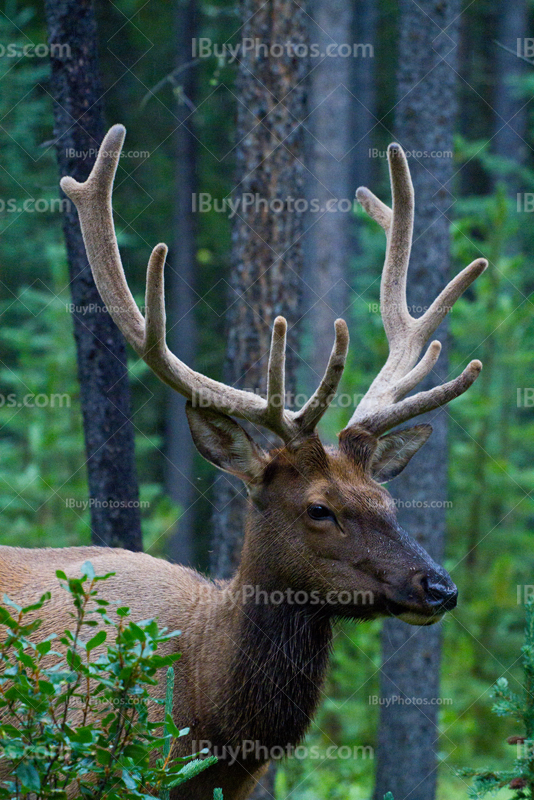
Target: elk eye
<point>320,512</point>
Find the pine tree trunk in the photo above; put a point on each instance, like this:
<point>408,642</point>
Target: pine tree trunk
<point>425,121</point>
<point>510,111</point>
<point>266,243</point>
<point>363,88</point>
<point>182,336</point>
<point>330,188</point>
<point>101,354</point>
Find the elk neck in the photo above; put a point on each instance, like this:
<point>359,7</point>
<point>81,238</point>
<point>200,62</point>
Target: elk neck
<point>281,655</point>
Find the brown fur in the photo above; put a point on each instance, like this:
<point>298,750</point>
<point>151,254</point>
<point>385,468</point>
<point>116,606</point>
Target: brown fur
<point>253,670</point>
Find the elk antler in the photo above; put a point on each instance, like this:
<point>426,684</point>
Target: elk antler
<point>380,409</point>
<point>147,334</point>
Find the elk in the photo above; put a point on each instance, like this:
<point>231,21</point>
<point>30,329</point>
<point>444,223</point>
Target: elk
<point>321,533</point>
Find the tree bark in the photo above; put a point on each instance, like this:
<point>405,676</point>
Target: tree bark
<point>266,240</point>
<point>510,111</point>
<point>267,236</point>
<point>328,249</point>
<point>101,354</point>
<point>426,113</point>
<point>363,86</point>
<point>181,281</point>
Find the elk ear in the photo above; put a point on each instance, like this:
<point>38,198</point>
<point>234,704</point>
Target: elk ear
<point>224,443</point>
<point>394,451</point>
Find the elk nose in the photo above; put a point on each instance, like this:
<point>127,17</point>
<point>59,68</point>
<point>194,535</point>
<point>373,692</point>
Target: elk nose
<point>438,593</point>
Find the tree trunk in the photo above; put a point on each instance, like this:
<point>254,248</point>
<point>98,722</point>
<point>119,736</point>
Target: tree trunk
<point>425,121</point>
<point>182,298</point>
<point>510,111</point>
<point>363,87</point>
<point>266,241</point>
<point>101,354</point>
<point>267,235</point>
<point>331,188</point>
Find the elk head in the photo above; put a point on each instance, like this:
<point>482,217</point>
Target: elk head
<point>320,519</point>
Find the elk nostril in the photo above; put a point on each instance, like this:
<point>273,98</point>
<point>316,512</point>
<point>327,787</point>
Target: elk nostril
<point>439,594</point>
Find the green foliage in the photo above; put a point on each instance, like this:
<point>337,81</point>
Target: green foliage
<point>520,708</point>
<point>77,709</point>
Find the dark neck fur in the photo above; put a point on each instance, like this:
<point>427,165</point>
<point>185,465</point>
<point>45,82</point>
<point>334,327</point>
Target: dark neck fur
<point>277,674</point>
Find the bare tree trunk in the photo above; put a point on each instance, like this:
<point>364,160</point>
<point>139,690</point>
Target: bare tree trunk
<point>266,242</point>
<point>330,188</point>
<point>181,282</point>
<point>510,111</point>
<point>363,87</point>
<point>101,354</point>
<point>426,116</point>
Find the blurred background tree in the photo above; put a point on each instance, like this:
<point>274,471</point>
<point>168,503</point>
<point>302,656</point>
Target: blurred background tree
<point>185,132</point>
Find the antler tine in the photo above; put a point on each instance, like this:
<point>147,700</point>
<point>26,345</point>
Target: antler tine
<point>399,244</point>
<point>385,419</point>
<point>380,409</point>
<point>93,201</point>
<point>310,413</point>
<point>147,334</point>
<point>276,373</point>
<point>443,303</point>
<point>155,322</point>
<point>376,209</point>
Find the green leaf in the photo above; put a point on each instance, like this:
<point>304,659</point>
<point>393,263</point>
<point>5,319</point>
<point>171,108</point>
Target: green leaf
<point>104,577</point>
<point>191,770</point>
<point>28,776</point>
<point>170,726</point>
<point>103,756</point>
<point>98,639</point>
<point>73,659</point>
<point>11,603</point>
<point>88,570</point>
<point>46,688</point>
<point>36,606</point>
<point>129,780</point>
<point>83,734</point>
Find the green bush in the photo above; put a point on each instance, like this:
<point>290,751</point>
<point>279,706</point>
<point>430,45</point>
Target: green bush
<point>70,717</point>
<point>520,707</point>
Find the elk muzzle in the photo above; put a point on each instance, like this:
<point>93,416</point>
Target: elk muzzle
<point>425,598</point>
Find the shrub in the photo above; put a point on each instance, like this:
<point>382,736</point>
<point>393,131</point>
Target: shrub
<point>74,718</point>
<point>520,777</point>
